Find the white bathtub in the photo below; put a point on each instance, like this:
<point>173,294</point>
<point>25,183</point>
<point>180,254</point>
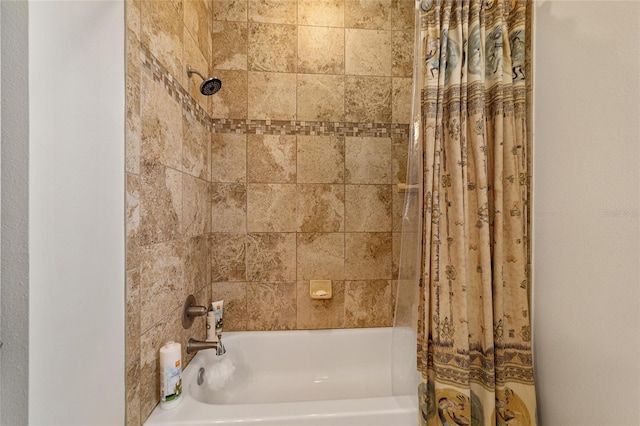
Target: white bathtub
<point>319,377</point>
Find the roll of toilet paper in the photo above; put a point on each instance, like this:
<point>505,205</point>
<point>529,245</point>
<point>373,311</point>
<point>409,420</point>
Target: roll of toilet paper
<point>170,375</point>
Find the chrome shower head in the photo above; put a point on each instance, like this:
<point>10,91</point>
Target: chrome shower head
<point>209,86</point>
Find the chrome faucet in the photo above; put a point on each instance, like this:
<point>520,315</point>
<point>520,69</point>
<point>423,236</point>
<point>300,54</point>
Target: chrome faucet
<point>194,345</point>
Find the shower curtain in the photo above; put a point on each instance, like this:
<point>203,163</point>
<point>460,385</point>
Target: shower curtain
<point>474,333</point>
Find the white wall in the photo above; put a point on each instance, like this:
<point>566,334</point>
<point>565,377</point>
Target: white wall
<point>587,212</point>
<point>76,212</point>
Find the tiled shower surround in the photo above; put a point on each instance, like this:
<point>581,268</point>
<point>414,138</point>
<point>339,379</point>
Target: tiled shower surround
<point>287,174</point>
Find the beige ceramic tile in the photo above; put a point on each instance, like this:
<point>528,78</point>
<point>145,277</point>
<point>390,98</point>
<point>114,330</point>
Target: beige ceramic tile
<point>230,45</point>
<point>160,203</point>
<point>230,10</point>
<point>195,147</point>
<point>162,32</point>
<point>271,207</point>
<point>368,52</point>
<point>161,281</point>
<point>271,158</point>
<point>402,53</point>
<point>401,100</point>
<point>321,13</point>
<point>132,392</point>
<point>320,159</point>
<point>197,19</point>
<point>272,96</point>
<point>402,15</point>
<point>273,11</point>
<point>368,256</point>
<point>272,47</point>
<point>368,99</point>
<point>235,304</point>
<point>271,306</point>
<point>396,242</point>
<point>228,257</point>
<point>373,14</point>
<point>320,208</point>
<point>399,158</point>
<point>368,208</point>
<point>398,206</point>
<point>132,344</point>
<point>228,157</point>
<point>196,207</point>
<point>196,265</point>
<point>231,99</point>
<point>316,313</point>
<point>132,10</point>
<point>161,119</point>
<point>368,304</point>
<point>320,50</point>
<point>320,256</point>
<point>133,129</point>
<point>193,58</point>
<point>133,220</point>
<point>320,97</point>
<point>368,160</point>
<point>271,257</point>
<point>229,207</point>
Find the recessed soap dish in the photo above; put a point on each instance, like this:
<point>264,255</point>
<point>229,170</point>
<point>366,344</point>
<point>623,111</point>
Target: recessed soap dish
<point>320,289</point>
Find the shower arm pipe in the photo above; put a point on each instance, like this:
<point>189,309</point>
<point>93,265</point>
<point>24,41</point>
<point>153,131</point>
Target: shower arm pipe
<point>192,71</point>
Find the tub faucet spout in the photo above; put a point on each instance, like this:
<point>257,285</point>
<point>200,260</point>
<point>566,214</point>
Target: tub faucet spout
<point>194,345</point>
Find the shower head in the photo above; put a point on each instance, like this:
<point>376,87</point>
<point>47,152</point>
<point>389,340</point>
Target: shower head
<point>209,86</point>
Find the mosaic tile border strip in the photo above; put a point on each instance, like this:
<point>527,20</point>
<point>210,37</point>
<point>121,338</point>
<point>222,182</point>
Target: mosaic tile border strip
<point>160,74</point>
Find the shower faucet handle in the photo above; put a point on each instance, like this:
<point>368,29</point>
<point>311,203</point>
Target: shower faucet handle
<point>190,310</point>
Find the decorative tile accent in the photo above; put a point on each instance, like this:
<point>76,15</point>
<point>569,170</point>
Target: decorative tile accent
<point>271,159</point>
<point>320,208</point>
<point>321,13</point>
<point>230,40</point>
<point>368,160</point>
<point>368,256</point>
<point>271,306</point>
<point>320,256</point>
<point>320,50</point>
<point>373,14</point>
<point>228,257</point>
<point>272,47</point>
<point>367,52</point>
<point>368,208</point>
<point>271,207</point>
<point>318,314</point>
<point>271,257</point>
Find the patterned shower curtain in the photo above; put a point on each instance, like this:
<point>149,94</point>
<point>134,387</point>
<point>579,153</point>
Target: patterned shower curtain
<point>474,333</point>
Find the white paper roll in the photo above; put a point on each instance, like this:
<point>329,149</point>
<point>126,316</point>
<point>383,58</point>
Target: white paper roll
<point>170,375</point>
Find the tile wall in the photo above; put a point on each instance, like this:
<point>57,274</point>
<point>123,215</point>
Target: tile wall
<point>286,175</point>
